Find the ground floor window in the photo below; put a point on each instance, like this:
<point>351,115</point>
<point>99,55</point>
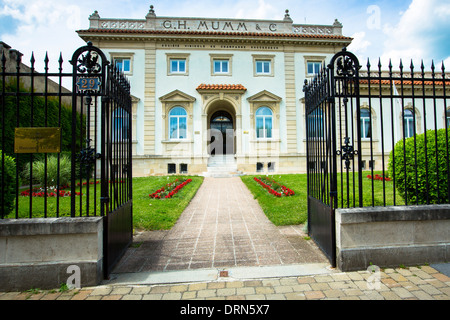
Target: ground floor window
<point>408,123</point>
<point>264,123</point>
<point>178,123</point>
<point>120,119</point>
<point>366,130</point>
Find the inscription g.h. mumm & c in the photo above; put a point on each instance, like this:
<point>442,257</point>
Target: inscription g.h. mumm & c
<point>205,25</point>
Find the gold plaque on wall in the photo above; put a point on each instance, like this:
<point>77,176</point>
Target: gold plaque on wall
<point>37,140</point>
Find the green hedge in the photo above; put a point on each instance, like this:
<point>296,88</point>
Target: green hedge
<point>416,191</point>
<point>8,190</point>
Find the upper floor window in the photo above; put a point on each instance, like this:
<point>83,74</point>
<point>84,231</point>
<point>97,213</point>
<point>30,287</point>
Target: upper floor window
<point>366,129</point>
<point>221,66</point>
<point>264,122</point>
<point>178,123</point>
<point>123,64</point>
<point>263,67</point>
<point>177,65</point>
<point>123,61</point>
<point>313,67</point>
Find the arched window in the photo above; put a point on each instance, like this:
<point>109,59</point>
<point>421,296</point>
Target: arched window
<point>178,123</point>
<point>366,127</point>
<point>408,123</point>
<point>120,125</point>
<point>264,123</point>
<point>316,124</point>
<point>447,116</point>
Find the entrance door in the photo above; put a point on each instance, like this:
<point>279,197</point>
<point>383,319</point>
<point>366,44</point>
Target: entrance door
<point>222,133</point>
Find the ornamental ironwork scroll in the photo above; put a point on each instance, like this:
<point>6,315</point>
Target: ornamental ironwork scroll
<point>347,153</point>
<point>89,66</point>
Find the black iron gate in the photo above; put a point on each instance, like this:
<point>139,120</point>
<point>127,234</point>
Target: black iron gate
<point>326,96</point>
<point>374,138</point>
<point>105,93</point>
<point>67,153</point>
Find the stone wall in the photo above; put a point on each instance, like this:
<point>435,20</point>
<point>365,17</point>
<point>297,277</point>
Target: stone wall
<point>392,236</point>
<point>37,253</point>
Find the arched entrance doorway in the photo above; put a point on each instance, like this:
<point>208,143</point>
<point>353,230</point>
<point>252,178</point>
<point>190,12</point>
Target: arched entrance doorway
<point>221,133</point>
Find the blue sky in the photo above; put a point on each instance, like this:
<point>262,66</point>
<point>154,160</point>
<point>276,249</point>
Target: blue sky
<point>406,29</point>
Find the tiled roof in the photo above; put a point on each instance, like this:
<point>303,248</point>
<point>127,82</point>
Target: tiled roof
<point>217,33</point>
<point>221,87</point>
<point>406,82</point>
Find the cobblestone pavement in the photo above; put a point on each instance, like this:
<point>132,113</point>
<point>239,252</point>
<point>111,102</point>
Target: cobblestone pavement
<point>413,283</point>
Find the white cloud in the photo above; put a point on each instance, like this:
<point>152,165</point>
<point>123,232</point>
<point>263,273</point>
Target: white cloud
<point>250,10</point>
<point>360,43</point>
<point>416,36</point>
<point>447,64</point>
<point>43,26</point>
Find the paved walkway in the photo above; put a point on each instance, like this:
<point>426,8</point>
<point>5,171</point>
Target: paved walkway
<point>224,247</point>
<point>223,226</point>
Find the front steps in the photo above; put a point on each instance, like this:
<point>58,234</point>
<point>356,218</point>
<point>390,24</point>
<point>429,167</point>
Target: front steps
<point>222,166</point>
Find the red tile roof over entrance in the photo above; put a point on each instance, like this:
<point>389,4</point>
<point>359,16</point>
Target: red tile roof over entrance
<point>221,87</point>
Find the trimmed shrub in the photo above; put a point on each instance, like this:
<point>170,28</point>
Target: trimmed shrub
<point>8,189</point>
<point>52,171</point>
<point>422,190</point>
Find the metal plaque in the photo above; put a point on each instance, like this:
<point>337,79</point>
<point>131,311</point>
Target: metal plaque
<point>88,84</point>
<point>37,140</point>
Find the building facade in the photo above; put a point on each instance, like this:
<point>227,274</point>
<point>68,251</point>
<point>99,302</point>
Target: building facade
<point>208,89</point>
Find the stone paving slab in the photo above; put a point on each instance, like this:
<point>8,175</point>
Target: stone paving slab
<point>428,284</point>
<point>223,226</point>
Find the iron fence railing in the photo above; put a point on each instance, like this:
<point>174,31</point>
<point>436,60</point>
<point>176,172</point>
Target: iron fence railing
<point>64,152</point>
<point>378,137</point>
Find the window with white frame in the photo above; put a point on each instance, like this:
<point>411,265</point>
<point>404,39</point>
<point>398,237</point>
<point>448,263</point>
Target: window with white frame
<point>316,124</point>
<point>263,67</point>
<point>313,67</point>
<point>447,115</point>
<point>264,122</point>
<point>123,64</point>
<point>177,66</point>
<point>120,124</point>
<point>408,123</point>
<point>221,66</point>
<point>366,128</point>
<point>178,123</point>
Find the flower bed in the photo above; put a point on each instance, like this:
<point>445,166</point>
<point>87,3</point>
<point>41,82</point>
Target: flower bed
<point>51,192</point>
<point>274,187</point>
<point>170,189</point>
<point>378,177</point>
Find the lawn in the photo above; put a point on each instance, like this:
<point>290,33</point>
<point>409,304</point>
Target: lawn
<point>282,211</point>
<point>148,213</point>
<point>294,209</point>
<point>162,214</point>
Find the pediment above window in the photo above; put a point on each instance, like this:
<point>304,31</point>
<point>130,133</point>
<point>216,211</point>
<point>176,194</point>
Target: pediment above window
<point>177,96</point>
<point>264,96</point>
